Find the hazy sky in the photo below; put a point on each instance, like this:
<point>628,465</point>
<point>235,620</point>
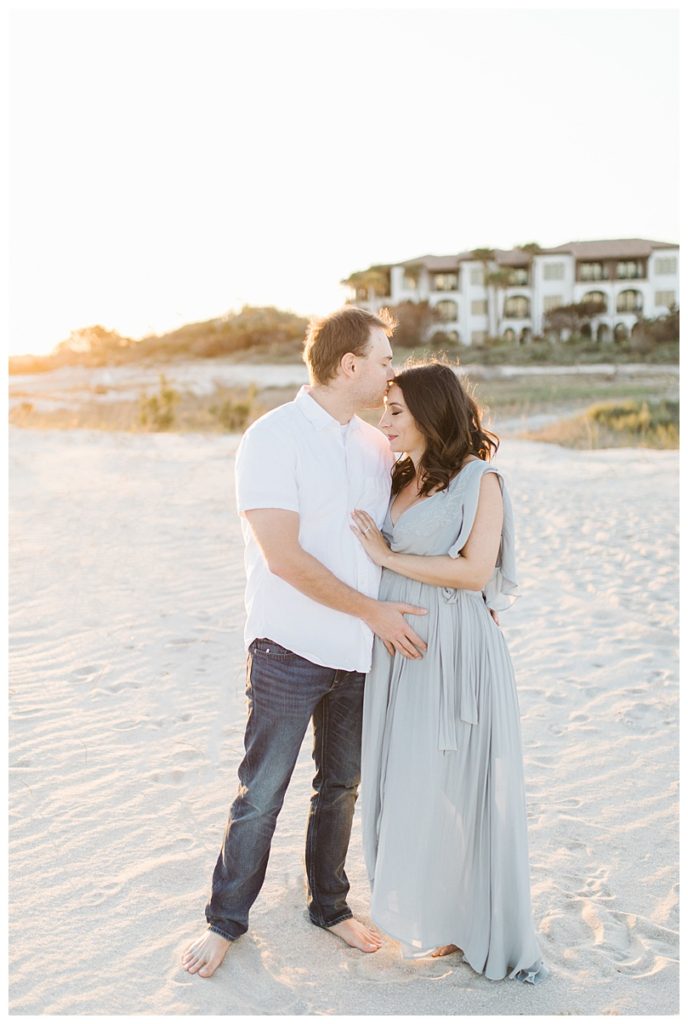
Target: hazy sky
<point>169,166</point>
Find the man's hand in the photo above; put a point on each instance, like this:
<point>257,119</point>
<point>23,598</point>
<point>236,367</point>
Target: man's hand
<point>386,619</point>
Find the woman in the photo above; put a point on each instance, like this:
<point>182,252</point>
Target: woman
<point>444,819</point>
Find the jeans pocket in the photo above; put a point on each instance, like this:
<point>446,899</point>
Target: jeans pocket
<point>269,649</point>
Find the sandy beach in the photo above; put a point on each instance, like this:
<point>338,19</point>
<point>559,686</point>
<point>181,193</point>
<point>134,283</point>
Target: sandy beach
<point>126,726</point>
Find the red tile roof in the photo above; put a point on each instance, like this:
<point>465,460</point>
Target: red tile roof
<point>619,248</point>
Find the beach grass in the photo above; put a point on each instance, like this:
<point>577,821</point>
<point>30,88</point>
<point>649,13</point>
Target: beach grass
<point>230,409</point>
<point>637,424</point>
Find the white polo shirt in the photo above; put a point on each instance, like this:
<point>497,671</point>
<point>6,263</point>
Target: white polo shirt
<point>300,458</point>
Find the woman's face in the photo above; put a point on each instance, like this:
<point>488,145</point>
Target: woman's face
<point>399,426</point>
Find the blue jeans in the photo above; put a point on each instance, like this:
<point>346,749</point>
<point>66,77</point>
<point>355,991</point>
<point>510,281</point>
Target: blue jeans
<point>284,692</point>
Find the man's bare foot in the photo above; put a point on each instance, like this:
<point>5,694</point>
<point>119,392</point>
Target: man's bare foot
<point>445,950</point>
<point>205,955</point>
<point>357,935</point>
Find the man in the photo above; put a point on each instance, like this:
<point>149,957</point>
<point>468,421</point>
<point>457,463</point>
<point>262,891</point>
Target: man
<point>312,609</point>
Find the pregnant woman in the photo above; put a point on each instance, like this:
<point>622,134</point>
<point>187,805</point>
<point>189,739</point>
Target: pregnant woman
<point>444,817</point>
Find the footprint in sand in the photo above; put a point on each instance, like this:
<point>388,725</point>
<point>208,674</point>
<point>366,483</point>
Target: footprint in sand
<point>371,967</point>
<point>541,760</point>
<point>188,754</point>
<point>85,671</point>
<point>182,842</point>
<point>124,685</point>
<point>100,895</point>
<point>633,943</point>
<point>569,801</point>
<point>174,777</point>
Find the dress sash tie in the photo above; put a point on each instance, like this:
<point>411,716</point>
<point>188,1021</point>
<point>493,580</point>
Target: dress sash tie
<point>458,676</point>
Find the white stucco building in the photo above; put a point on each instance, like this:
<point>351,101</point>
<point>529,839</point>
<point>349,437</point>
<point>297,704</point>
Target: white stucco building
<point>507,293</point>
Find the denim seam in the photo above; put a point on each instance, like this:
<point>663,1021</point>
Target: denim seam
<point>218,931</point>
<point>316,824</point>
<point>344,916</point>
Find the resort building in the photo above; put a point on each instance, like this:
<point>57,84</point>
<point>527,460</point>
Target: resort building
<point>507,293</point>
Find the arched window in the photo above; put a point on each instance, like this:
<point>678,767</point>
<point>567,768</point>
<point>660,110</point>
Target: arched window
<point>599,298</point>
<point>620,332</point>
<point>447,310</point>
<point>517,307</point>
<point>603,332</point>
<point>629,301</point>
<point>509,335</point>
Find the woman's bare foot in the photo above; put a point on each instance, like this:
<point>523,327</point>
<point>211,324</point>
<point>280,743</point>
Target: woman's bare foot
<point>205,955</point>
<point>357,935</point>
<point>445,950</point>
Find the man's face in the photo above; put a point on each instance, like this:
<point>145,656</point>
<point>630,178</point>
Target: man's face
<point>374,370</point>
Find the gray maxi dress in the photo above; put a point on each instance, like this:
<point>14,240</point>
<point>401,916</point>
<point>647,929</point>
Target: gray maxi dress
<point>443,804</point>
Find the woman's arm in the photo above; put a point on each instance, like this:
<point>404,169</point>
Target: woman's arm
<point>470,571</point>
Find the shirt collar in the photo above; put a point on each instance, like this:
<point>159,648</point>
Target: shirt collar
<point>319,417</point>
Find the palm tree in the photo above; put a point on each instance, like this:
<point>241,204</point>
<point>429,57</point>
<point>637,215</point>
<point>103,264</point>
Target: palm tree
<point>530,247</point>
<point>486,256</point>
<point>375,280</point>
<point>500,280</point>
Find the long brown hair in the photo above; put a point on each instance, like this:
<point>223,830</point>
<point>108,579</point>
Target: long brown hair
<point>449,420</point>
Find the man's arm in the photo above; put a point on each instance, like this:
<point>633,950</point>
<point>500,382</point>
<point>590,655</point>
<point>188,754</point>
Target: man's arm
<point>277,534</point>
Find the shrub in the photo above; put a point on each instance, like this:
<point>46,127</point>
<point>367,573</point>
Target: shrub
<point>235,415</point>
<point>157,411</point>
<point>612,425</point>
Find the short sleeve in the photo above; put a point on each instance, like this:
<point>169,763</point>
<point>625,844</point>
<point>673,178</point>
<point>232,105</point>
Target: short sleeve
<point>265,469</point>
<point>469,506</point>
<point>501,590</point>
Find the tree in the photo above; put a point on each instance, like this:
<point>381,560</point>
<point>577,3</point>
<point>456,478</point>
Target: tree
<point>96,339</point>
<point>415,319</point>
<point>572,316</point>
<point>375,281</point>
<point>530,247</point>
<point>499,280</point>
<point>647,333</point>
<point>486,256</point>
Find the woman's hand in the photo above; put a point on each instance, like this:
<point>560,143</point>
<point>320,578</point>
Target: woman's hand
<point>370,537</point>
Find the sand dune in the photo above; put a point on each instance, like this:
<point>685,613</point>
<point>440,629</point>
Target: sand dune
<point>127,715</point>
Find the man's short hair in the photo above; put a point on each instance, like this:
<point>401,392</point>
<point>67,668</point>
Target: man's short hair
<point>330,337</point>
